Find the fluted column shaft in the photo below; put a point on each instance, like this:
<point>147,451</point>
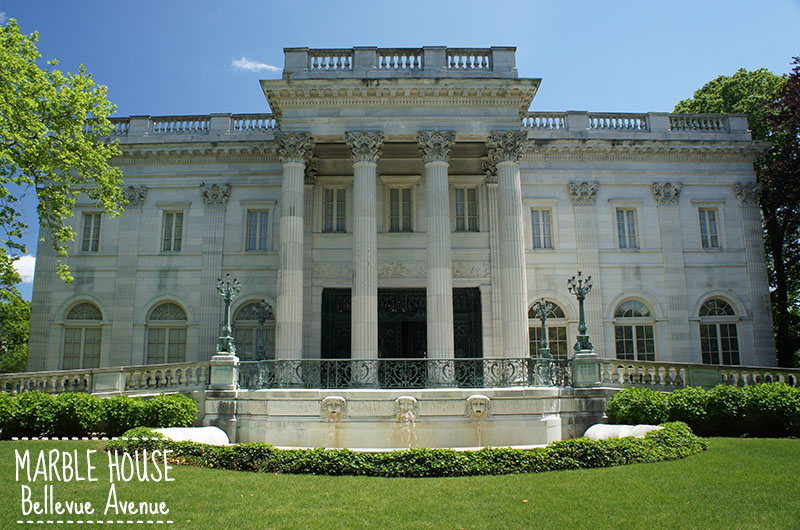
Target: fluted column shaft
<point>506,150</point>
<point>294,150</point>
<point>365,148</point>
<point>435,149</point>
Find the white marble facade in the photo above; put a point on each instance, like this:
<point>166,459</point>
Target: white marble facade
<point>416,168</point>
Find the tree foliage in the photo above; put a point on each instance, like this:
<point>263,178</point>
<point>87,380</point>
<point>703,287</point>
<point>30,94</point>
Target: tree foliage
<point>772,105</point>
<point>15,315</point>
<point>51,129</point>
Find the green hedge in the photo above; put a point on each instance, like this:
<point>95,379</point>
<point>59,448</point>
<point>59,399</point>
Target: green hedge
<point>673,442</point>
<point>78,414</point>
<point>767,409</point>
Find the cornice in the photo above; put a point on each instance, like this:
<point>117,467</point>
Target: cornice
<point>666,150</point>
<point>193,154</point>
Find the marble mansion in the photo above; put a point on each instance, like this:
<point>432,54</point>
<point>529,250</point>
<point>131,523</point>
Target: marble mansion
<point>405,204</point>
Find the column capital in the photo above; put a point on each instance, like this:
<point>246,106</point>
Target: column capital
<point>506,146</point>
<point>364,146</point>
<point>312,167</point>
<point>747,193</point>
<point>435,146</point>
<point>294,147</point>
<point>489,169</point>
<point>215,196</point>
<point>134,197</point>
<point>583,194</point>
<point>667,194</point>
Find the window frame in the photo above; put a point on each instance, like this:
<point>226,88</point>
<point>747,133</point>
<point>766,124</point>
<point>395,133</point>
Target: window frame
<point>717,322</point>
<point>337,191</point>
<point>637,325</point>
<point>706,240</point>
<point>630,214</point>
<point>82,325</point>
<point>250,327</point>
<point>86,245</point>
<point>263,224</point>
<point>719,207</point>
<point>169,326</point>
<point>552,324</point>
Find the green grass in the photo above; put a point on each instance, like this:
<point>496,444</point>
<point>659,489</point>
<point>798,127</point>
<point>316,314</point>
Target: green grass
<point>738,483</point>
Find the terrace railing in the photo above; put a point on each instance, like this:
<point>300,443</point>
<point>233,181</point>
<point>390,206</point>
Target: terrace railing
<point>404,373</point>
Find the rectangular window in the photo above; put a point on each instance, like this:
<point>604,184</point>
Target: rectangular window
<point>400,210</point>
<point>541,228</point>
<point>257,229</point>
<point>635,343</point>
<point>333,215</point>
<point>556,341</point>
<point>626,228</point>
<point>466,210</point>
<point>72,348</point>
<point>90,242</point>
<point>173,232</point>
<point>709,230</point>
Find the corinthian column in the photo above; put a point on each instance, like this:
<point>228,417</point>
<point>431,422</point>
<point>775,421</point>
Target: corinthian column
<point>365,148</point>
<point>506,150</point>
<point>435,149</point>
<point>294,150</point>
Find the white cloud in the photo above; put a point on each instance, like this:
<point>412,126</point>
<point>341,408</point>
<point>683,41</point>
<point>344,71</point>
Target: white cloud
<point>254,66</point>
<point>25,266</point>
<point>3,18</point>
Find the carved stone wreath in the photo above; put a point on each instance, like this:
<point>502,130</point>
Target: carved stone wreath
<point>583,194</point>
<point>134,197</point>
<point>667,193</point>
<point>215,196</point>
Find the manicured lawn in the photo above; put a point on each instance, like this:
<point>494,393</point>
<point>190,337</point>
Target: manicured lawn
<point>738,483</point>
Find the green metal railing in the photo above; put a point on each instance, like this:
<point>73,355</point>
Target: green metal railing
<point>404,373</point>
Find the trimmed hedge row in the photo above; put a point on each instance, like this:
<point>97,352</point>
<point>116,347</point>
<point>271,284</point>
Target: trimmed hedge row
<point>673,442</point>
<point>78,414</point>
<point>767,409</point>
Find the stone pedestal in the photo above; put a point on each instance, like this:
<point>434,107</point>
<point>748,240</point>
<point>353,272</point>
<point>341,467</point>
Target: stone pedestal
<point>585,369</point>
<point>224,372</point>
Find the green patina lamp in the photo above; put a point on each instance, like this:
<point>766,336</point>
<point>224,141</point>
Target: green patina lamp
<point>227,289</point>
<point>580,287</point>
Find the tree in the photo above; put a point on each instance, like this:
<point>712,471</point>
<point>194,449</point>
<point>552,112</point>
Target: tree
<point>15,316</point>
<point>51,129</point>
<point>771,103</point>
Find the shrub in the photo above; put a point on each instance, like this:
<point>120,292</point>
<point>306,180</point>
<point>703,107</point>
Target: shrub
<point>689,405</point>
<point>35,415</point>
<point>170,410</point>
<point>770,409</point>
<point>122,413</point>
<point>75,414</point>
<point>9,408</point>
<point>725,408</point>
<point>637,405</point>
<point>674,441</point>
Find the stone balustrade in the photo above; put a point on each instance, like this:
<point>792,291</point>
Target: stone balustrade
<point>173,377</point>
<point>187,128</point>
<point>662,375</point>
<point>655,125</point>
<point>373,62</point>
<point>180,125</point>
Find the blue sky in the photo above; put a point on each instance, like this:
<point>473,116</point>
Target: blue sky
<point>178,57</point>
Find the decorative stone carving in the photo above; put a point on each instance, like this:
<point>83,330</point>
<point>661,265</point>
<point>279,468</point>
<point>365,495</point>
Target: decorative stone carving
<point>312,167</point>
<point>747,193</point>
<point>333,408</point>
<point>489,169</point>
<point>134,197</point>
<point>435,146</point>
<point>399,269</point>
<point>294,147</point>
<point>215,196</point>
<point>506,146</point>
<point>470,269</point>
<point>364,146</point>
<point>478,407</point>
<point>583,194</point>
<point>332,270</point>
<point>667,194</point>
<point>405,408</point>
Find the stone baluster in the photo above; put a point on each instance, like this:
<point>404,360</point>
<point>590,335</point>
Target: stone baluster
<point>506,150</point>
<point>434,147</point>
<point>365,149</point>
<point>758,284</point>
<point>294,150</point>
<point>667,196</point>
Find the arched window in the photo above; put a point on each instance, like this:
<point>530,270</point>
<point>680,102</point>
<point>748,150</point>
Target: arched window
<point>166,334</point>
<point>82,337</point>
<point>556,332</point>
<point>634,331</point>
<point>719,340</point>
<point>245,333</point>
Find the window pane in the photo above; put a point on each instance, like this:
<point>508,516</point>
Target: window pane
<point>708,343</point>
<point>177,345</point>
<point>547,235</point>
<point>729,344</point>
<point>623,242</point>
<point>328,215</point>
<point>95,232</point>
<point>156,344</point>
<point>624,341</point>
<point>632,229</point>
<point>72,348</point>
<point>712,229</point>
<point>178,234</point>
<point>91,347</point>
<point>262,230</point>
<point>536,229</point>
<point>167,246</point>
